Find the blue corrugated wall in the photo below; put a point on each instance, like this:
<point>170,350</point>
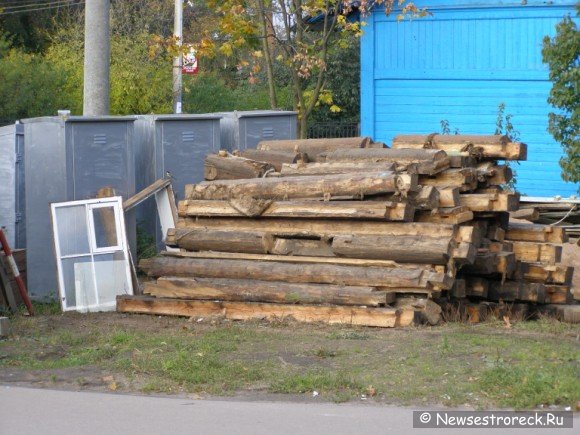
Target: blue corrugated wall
<point>459,65</point>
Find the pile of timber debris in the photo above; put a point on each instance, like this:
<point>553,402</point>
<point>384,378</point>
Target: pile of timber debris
<point>350,231</point>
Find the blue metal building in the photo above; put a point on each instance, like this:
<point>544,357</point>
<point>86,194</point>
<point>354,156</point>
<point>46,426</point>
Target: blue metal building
<point>458,65</point>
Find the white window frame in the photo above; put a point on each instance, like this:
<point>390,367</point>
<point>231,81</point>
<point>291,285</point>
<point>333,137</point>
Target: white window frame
<point>116,203</point>
<point>93,235</point>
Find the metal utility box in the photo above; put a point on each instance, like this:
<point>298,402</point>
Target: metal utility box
<point>176,144</point>
<point>243,130</point>
<point>67,159</point>
<point>12,184</point>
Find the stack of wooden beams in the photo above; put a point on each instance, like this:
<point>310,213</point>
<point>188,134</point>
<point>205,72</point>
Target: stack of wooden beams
<point>350,231</point>
<point>564,212</point>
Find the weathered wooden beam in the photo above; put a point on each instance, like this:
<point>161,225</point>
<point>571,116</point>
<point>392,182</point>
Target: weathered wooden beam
<point>529,214</point>
<point>451,216</point>
<point>376,210</point>
<point>476,286</point>
<point>459,289</point>
<point>362,316</point>
<point>265,291</point>
<point>536,233</point>
<point>228,167</point>
<point>302,247</point>
<point>302,169</point>
<point>495,175</point>
<point>465,179</point>
<point>301,259</point>
<point>517,290</point>
<point>492,263</point>
<point>275,158</point>
<point>427,162</point>
<point>549,274</point>
<point>253,242</point>
<point>558,294</point>
<point>319,228</point>
<point>449,197</point>
<point>293,272</point>
<point>491,201</point>
<point>303,186</point>
<point>426,311</point>
<point>426,198</point>
<point>489,147</point>
<point>317,148</point>
<point>406,249</point>
<point>537,252</point>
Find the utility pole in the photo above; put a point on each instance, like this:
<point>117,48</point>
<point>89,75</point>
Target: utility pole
<point>97,58</point>
<point>178,60</point>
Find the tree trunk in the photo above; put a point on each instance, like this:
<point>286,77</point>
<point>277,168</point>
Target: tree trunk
<point>267,55</point>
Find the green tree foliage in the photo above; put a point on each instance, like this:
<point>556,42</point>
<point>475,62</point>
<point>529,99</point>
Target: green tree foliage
<point>343,80</point>
<point>562,54</point>
<point>30,86</point>
<point>40,83</point>
<point>300,35</point>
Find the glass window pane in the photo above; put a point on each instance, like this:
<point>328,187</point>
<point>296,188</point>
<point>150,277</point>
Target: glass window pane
<point>73,235</point>
<point>105,228</point>
<point>72,280</point>
<point>112,280</point>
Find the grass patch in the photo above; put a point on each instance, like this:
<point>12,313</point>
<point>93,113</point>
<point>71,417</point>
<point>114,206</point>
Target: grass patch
<point>524,387</point>
<point>321,381</point>
<point>484,366</point>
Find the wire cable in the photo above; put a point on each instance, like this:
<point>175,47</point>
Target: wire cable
<point>35,4</point>
<point>22,11</point>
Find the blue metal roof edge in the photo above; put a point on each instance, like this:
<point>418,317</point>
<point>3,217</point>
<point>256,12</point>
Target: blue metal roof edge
<point>449,4</point>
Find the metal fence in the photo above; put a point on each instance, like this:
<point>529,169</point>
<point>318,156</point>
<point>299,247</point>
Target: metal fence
<point>321,130</point>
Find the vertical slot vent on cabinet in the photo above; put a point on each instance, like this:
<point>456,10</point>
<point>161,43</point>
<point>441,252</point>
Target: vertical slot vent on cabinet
<point>267,132</point>
<point>100,139</point>
<point>187,136</point>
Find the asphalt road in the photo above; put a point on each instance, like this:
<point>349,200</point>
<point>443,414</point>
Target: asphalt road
<point>40,411</point>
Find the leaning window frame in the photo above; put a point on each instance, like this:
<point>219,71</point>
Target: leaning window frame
<point>89,205</point>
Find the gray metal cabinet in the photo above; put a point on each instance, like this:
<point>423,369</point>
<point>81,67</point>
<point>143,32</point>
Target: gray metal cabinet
<point>68,159</point>
<point>243,130</point>
<point>12,209</point>
<point>175,144</point>
<point>182,142</point>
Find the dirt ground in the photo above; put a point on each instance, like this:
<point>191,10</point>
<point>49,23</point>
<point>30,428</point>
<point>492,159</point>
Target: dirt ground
<point>530,365</point>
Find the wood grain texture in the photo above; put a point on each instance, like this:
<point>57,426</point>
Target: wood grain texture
<point>297,209</point>
<point>265,291</point>
<point>361,316</point>
<point>294,272</point>
<point>304,186</point>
